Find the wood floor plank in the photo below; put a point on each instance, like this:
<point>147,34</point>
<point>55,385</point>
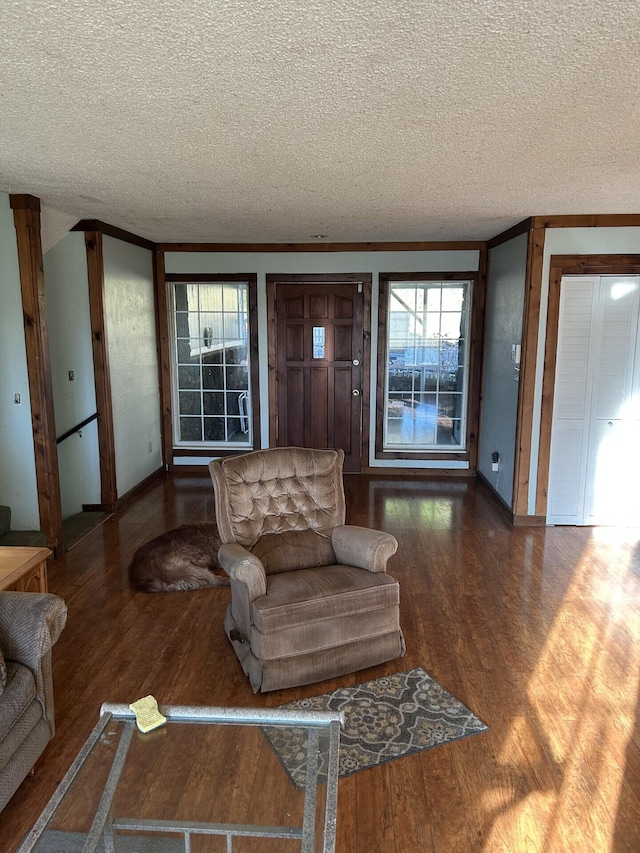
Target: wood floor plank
<point>537,630</point>
<point>374,809</point>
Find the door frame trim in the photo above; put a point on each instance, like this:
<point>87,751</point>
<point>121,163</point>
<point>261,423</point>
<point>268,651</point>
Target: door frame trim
<point>273,280</point>
<point>561,265</point>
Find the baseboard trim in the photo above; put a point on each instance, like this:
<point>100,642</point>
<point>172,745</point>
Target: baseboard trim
<point>142,485</point>
<point>497,498</point>
<point>423,473</point>
<point>529,521</point>
<point>516,520</point>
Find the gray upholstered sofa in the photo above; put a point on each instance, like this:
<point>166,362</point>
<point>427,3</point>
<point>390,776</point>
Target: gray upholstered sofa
<point>30,623</point>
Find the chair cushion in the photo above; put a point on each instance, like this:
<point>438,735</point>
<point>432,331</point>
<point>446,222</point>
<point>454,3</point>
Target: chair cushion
<point>296,549</point>
<point>319,608</point>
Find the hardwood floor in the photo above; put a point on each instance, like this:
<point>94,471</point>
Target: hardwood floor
<point>537,630</point>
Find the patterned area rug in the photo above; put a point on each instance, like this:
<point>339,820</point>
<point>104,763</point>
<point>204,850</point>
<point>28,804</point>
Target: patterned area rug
<point>384,719</point>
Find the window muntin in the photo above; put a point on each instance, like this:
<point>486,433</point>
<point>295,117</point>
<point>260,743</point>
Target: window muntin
<point>211,369</point>
<point>426,373</point>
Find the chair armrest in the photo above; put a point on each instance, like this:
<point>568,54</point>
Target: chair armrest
<point>30,623</point>
<point>243,567</point>
<point>363,547</point>
<point>248,582</point>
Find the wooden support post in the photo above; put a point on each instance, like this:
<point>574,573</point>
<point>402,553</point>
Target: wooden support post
<point>26,216</point>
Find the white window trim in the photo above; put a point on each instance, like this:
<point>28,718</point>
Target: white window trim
<point>408,449</point>
<point>179,444</point>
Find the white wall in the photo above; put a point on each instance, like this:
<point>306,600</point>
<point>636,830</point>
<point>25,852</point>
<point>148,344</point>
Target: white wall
<point>18,485</point>
<point>133,361</point>
<point>263,263</point>
<point>69,324</point>
<point>79,470</point>
<point>569,241</point>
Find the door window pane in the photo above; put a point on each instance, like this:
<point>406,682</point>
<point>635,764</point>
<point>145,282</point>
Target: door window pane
<point>211,368</point>
<point>426,374</point>
<point>318,341</point>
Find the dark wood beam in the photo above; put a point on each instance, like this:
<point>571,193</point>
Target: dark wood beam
<point>26,215</point>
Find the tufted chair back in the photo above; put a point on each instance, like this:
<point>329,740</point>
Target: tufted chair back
<point>278,491</point>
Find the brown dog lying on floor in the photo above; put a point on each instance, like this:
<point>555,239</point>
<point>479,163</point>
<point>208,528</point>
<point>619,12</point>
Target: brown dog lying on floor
<point>183,558</point>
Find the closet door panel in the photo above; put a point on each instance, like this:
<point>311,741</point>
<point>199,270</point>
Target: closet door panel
<point>614,452</point>
<point>618,308</point>
<point>612,486</point>
<point>572,401</point>
<point>566,488</point>
<point>595,436</point>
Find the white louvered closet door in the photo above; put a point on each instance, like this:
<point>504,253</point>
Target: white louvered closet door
<point>595,439</point>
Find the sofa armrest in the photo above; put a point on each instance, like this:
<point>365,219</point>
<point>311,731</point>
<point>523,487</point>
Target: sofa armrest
<point>363,547</point>
<point>30,624</point>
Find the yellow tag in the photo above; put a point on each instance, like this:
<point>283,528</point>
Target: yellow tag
<point>148,716</point>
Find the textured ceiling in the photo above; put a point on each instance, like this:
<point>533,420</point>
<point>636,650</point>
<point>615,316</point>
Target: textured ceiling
<point>214,120</point>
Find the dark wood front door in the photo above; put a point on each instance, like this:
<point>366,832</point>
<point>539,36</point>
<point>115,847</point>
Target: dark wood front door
<point>318,359</point>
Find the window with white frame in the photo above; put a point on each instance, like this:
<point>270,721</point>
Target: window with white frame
<point>210,365</point>
<point>426,374</point>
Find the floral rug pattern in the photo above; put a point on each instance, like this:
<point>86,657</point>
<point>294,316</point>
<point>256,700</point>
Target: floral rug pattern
<point>385,719</point>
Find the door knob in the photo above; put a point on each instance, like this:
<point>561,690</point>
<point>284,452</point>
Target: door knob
<point>356,392</point>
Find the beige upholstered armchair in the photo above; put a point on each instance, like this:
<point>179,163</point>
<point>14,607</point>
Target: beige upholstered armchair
<point>310,596</point>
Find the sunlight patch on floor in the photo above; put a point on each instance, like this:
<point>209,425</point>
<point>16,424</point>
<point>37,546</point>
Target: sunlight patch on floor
<point>586,723</point>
